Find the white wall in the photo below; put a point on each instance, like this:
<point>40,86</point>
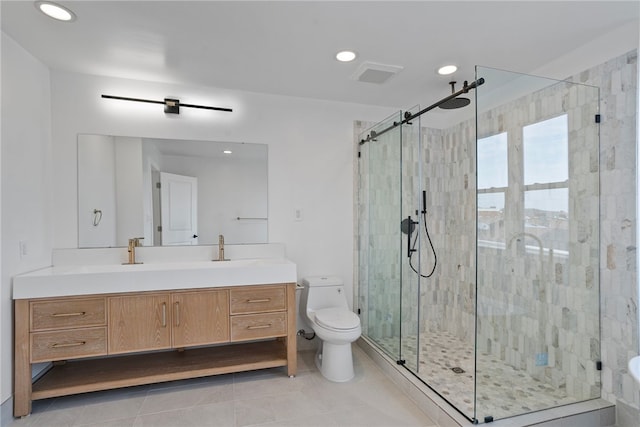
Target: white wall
<point>595,52</point>
<point>26,179</point>
<point>310,154</point>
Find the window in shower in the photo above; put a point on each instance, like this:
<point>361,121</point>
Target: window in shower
<point>546,183</point>
<point>492,184</point>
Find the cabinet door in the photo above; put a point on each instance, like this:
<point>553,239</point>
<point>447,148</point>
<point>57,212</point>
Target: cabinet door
<point>139,322</point>
<point>200,317</point>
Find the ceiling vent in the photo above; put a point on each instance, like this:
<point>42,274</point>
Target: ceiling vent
<point>371,72</point>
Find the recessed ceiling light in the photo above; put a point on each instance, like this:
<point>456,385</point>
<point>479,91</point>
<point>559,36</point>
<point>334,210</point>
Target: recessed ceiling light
<point>447,69</point>
<point>227,151</point>
<point>55,11</point>
<point>346,56</point>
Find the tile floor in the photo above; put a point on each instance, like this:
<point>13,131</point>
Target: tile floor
<point>260,398</point>
<point>502,390</point>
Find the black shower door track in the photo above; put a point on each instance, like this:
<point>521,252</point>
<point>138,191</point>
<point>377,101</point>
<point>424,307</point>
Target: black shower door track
<point>408,116</point>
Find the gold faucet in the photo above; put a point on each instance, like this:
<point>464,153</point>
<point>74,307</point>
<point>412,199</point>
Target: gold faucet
<point>221,249</point>
<point>133,243</point>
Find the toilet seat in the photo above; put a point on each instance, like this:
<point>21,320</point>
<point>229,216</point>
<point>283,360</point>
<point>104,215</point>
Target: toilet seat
<point>337,319</point>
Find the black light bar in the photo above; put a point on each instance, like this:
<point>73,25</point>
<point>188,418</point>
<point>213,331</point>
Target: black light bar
<point>171,105</point>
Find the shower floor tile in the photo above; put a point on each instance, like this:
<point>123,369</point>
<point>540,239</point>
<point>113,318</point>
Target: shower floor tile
<point>446,364</point>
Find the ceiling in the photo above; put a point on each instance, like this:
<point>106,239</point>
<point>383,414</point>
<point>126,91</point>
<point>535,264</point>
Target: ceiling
<point>288,47</point>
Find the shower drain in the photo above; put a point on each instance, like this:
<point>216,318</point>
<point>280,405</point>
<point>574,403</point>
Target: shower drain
<point>458,370</point>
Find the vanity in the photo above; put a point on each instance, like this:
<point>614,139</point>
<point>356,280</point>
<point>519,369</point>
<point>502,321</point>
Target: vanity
<point>110,326</point>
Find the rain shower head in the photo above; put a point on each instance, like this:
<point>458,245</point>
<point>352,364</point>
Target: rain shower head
<point>454,103</point>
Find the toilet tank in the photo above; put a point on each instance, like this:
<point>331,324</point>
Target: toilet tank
<point>323,292</point>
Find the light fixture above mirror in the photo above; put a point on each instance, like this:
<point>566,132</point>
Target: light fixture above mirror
<point>171,105</point>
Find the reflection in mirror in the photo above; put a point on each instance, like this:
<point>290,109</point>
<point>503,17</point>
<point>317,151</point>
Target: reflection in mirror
<point>170,192</point>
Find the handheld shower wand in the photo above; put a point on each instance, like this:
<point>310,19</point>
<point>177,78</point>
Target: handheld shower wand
<point>407,227</point>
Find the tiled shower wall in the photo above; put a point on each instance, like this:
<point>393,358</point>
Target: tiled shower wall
<point>448,158</point>
<point>538,308</point>
<point>385,169</point>
<point>617,80</point>
<point>450,297</point>
<point>379,172</point>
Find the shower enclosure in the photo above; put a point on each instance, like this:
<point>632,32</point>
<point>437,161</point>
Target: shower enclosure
<point>478,237</point>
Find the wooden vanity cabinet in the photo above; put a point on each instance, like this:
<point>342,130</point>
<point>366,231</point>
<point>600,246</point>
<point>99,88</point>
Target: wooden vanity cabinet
<point>139,323</point>
<point>67,329</point>
<point>215,330</point>
<point>146,322</point>
<point>258,314</point>
<point>200,318</point>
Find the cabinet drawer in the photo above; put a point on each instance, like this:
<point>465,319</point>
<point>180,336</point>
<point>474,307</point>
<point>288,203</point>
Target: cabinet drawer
<point>255,326</point>
<point>68,344</point>
<point>72,313</point>
<point>258,299</point>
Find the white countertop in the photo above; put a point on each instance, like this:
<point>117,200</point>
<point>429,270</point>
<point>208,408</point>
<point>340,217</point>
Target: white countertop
<point>70,280</point>
<point>634,368</point>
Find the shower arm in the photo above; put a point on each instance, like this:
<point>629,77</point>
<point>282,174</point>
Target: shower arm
<point>408,116</point>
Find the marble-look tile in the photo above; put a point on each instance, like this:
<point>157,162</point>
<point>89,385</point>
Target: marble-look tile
<point>501,390</point>
<point>562,295</point>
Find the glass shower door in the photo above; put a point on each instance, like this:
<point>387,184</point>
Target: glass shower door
<point>411,244</point>
<point>538,331</point>
<point>447,297</point>
<point>380,273</point>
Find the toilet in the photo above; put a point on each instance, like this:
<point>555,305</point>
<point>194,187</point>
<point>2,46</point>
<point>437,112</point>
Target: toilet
<point>324,305</point>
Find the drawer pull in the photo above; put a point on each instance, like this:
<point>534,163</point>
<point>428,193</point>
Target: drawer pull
<point>164,314</point>
<point>176,307</point>
<point>252,301</point>
<point>79,313</point>
<point>68,344</point>
<point>259,326</point>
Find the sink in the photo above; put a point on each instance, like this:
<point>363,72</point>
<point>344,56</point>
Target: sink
<point>124,268</point>
<point>115,278</point>
<point>634,368</point>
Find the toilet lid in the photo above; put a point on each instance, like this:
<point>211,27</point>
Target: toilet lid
<point>337,318</point>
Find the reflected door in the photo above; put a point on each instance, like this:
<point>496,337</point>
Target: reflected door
<point>179,209</point>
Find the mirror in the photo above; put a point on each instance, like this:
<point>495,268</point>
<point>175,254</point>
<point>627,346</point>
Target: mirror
<point>170,192</point>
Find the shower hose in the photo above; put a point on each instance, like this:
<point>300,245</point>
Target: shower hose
<point>415,240</point>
